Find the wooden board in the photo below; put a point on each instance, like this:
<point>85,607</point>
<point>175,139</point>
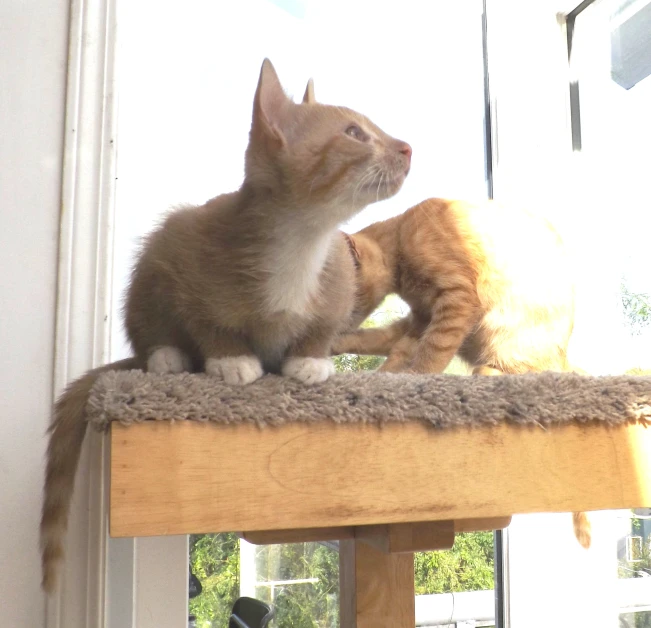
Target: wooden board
<point>310,535</point>
<point>407,538</point>
<point>189,477</point>
<point>301,535</point>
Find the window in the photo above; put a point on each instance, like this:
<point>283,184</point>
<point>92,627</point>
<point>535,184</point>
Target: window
<point>611,64</point>
<point>590,171</point>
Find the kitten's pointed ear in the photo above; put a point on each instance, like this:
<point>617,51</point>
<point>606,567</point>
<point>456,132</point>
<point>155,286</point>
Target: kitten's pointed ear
<point>308,97</point>
<point>352,245</point>
<point>270,104</point>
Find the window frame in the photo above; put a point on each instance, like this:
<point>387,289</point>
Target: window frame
<point>84,307</point>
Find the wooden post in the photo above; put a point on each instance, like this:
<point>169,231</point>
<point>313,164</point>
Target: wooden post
<point>376,590</point>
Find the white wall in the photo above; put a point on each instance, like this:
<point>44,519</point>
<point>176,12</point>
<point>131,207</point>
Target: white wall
<point>33,59</point>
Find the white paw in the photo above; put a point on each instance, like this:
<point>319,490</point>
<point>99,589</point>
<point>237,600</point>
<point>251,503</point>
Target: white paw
<point>309,370</point>
<point>243,369</point>
<point>168,360</point>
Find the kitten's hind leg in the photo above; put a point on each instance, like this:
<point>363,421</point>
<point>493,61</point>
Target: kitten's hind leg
<point>167,359</point>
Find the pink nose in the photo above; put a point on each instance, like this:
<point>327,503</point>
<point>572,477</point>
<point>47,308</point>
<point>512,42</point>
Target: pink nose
<point>405,149</point>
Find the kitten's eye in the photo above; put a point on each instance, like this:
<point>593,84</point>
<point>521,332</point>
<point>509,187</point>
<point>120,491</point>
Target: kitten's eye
<point>355,132</point>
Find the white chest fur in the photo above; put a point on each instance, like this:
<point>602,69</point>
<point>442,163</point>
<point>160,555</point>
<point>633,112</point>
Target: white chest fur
<point>294,264</point>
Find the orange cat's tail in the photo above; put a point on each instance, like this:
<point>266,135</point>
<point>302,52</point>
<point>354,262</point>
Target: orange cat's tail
<point>67,432</point>
<point>582,528</point>
<point>580,521</point>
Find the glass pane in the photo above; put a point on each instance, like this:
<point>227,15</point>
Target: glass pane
<point>612,41</point>
<point>634,567</point>
<point>301,580</point>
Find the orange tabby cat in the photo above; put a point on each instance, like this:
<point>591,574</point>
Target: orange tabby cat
<point>253,281</point>
<point>488,283</point>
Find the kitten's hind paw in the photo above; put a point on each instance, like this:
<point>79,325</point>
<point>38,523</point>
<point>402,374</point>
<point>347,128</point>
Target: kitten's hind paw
<point>241,370</point>
<point>168,359</point>
<point>309,370</point>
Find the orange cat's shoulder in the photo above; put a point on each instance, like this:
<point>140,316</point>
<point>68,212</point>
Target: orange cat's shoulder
<point>437,226</point>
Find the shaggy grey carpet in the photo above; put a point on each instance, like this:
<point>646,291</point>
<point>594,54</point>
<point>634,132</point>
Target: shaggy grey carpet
<point>439,400</point>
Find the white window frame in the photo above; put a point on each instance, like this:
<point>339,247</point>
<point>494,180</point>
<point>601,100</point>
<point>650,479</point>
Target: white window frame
<point>83,295</point>
<point>119,583</point>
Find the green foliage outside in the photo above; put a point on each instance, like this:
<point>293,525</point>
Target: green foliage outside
<point>304,605</point>
<point>640,554</point>
<point>626,569</point>
<point>641,619</point>
<point>214,558</point>
<point>349,362</point>
<point>468,566</point>
<point>637,309</point>
<point>638,566</point>
<point>638,371</point>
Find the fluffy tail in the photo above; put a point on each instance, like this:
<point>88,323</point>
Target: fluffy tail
<point>67,432</point>
<point>582,528</point>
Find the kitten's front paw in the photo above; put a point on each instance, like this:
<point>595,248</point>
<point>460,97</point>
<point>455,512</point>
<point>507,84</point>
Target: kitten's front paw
<point>241,370</point>
<point>309,370</point>
<point>168,359</point>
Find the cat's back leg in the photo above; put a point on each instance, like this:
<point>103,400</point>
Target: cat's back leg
<point>168,359</point>
<point>401,355</point>
<point>155,336</point>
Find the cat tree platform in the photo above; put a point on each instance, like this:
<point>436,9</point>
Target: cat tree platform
<point>387,464</point>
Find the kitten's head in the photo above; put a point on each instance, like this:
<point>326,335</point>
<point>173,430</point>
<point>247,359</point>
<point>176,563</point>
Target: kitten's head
<point>315,156</point>
<point>374,278</point>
